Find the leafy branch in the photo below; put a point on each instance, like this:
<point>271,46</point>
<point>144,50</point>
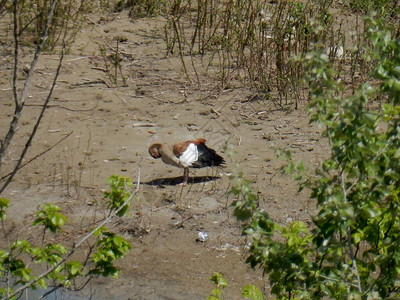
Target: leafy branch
<point>352,250</point>
<point>109,246</point>
<point>250,292</point>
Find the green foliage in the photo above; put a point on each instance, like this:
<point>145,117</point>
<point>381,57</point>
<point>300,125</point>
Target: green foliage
<point>357,191</point>
<point>74,269</point>
<point>145,8</point>
<point>118,194</point>
<point>110,247</point>
<point>385,8</point>
<point>353,249</point>
<point>296,169</point>
<point>220,283</point>
<point>385,54</point>
<point>287,262</point>
<point>246,203</point>
<point>14,261</point>
<point>3,205</point>
<point>17,263</point>
<point>67,21</point>
<point>50,217</point>
<point>250,292</point>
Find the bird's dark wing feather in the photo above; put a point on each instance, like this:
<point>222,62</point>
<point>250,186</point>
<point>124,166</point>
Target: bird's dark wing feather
<point>207,157</point>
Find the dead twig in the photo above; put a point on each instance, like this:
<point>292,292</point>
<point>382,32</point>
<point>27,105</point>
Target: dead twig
<point>38,155</point>
<point>63,106</point>
<point>101,81</point>
<point>143,125</point>
<point>100,69</point>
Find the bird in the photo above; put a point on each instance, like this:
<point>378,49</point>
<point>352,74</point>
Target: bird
<point>187,154</point>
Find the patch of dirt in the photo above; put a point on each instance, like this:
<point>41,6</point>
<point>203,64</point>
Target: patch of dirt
<point>110,128</point>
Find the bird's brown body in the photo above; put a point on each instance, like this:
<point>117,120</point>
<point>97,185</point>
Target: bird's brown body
<point>187,154</point>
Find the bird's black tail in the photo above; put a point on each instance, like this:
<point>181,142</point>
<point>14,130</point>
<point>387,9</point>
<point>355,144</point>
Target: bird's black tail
<point>207,157</point>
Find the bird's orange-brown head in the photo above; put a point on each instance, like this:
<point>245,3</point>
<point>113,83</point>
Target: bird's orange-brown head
<point>154,150</point>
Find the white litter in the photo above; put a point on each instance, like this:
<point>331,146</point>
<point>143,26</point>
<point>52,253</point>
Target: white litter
<point>203,236</point>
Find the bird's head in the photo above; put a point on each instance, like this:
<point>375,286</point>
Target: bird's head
<point>154,150</point>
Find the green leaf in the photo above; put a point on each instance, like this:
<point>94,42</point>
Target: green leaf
<point>100,231</point>
<point>50,218</point>
<point>119,194</point>
<point>4,203</point>
<point>252,292</point>
<point>357,237</point>
<point>42,283</point>
<point>219,280</point>
<point>74,269</point>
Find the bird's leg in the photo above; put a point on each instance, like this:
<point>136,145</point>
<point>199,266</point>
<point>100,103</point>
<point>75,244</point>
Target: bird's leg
<point>185,175</point>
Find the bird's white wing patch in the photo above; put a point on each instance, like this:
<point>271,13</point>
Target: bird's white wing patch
<point>189,156</point>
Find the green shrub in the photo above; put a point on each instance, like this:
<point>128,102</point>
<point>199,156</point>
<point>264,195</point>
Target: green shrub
<point>21,263</point>
<point>385,8</point>
<point>67,21</point>
<point>353,248</point>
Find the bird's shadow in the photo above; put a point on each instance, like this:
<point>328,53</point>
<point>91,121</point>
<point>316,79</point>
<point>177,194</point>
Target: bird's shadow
<point>179,179</point>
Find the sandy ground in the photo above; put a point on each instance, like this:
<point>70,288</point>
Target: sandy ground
<point>107,134</point>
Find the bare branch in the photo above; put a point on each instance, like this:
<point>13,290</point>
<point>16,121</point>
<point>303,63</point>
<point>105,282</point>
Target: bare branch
<point>16,52</point>
<point>18,107</point>
<point>38,155</point>
<point>35,128</point>
<point>19,101</point>
<point>65,107</point>
<point>349,244</point>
